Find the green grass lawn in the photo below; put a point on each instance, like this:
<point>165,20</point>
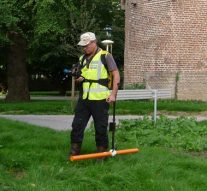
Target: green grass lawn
<point>50,93</point>
<point>35,158</point>
<point>37,107</point>
<point>122,107</point>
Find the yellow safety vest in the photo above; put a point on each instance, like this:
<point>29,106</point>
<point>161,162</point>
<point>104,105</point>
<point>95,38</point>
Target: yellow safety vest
<point>93,74</point>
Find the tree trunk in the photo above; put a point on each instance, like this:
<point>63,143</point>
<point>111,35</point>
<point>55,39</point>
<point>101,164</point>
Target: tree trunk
<point>17,76</point>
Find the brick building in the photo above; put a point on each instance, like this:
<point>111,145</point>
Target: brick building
<point>166,46</point>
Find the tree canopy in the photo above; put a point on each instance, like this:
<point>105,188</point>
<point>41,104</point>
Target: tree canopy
<point>50,30</point>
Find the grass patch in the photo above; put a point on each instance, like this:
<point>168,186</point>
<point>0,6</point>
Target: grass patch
<point>44,93</point>
<point>122,107</point>
<point>146,107</point>
<point>34,158</point>
<point>187,106</point>
<point>37,107</point>
<point>50,93</point>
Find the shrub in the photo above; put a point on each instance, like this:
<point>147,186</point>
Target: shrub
<point>181,133</point>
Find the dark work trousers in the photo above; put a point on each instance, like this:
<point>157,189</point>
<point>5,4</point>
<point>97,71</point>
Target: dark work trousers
<point>84,110</point>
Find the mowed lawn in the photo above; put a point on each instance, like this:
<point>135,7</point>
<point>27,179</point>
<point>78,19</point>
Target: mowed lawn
<point>134,107</point>
<point>35,158</point>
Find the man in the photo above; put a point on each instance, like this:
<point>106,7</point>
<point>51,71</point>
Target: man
<point>95,95</point>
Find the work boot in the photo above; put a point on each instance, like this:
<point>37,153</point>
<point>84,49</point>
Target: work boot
<point>99,150</point>
<point>75,149</point>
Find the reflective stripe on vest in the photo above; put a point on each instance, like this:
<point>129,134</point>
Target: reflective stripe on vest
<point>96,71</point>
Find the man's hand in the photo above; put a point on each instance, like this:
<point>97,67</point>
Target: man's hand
<point>111,98</point>
<point>80,79</point>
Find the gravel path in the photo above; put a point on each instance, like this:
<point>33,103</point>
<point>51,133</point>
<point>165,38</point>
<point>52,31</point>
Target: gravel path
<point>58,122</point>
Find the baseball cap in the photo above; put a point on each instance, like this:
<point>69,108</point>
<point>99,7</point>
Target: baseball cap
<point>86,38</point>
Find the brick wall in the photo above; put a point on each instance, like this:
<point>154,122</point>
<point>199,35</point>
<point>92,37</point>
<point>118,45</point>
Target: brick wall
<point>164,38</point>
<point>192,85</point>
<point>161,80</point>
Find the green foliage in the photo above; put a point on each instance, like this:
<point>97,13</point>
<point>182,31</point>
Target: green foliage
<point>181,133</point>
<point>15,17</point>
<point>52,29</point>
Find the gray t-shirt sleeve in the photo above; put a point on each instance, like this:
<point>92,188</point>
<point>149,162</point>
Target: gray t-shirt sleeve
<point>111,64</point>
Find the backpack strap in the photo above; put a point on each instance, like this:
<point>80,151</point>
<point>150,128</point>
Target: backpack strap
<point>103,60</point>
<point>82,60</point>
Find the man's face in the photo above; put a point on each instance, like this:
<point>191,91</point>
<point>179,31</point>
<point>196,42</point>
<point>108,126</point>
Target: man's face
<point>89,48</point>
